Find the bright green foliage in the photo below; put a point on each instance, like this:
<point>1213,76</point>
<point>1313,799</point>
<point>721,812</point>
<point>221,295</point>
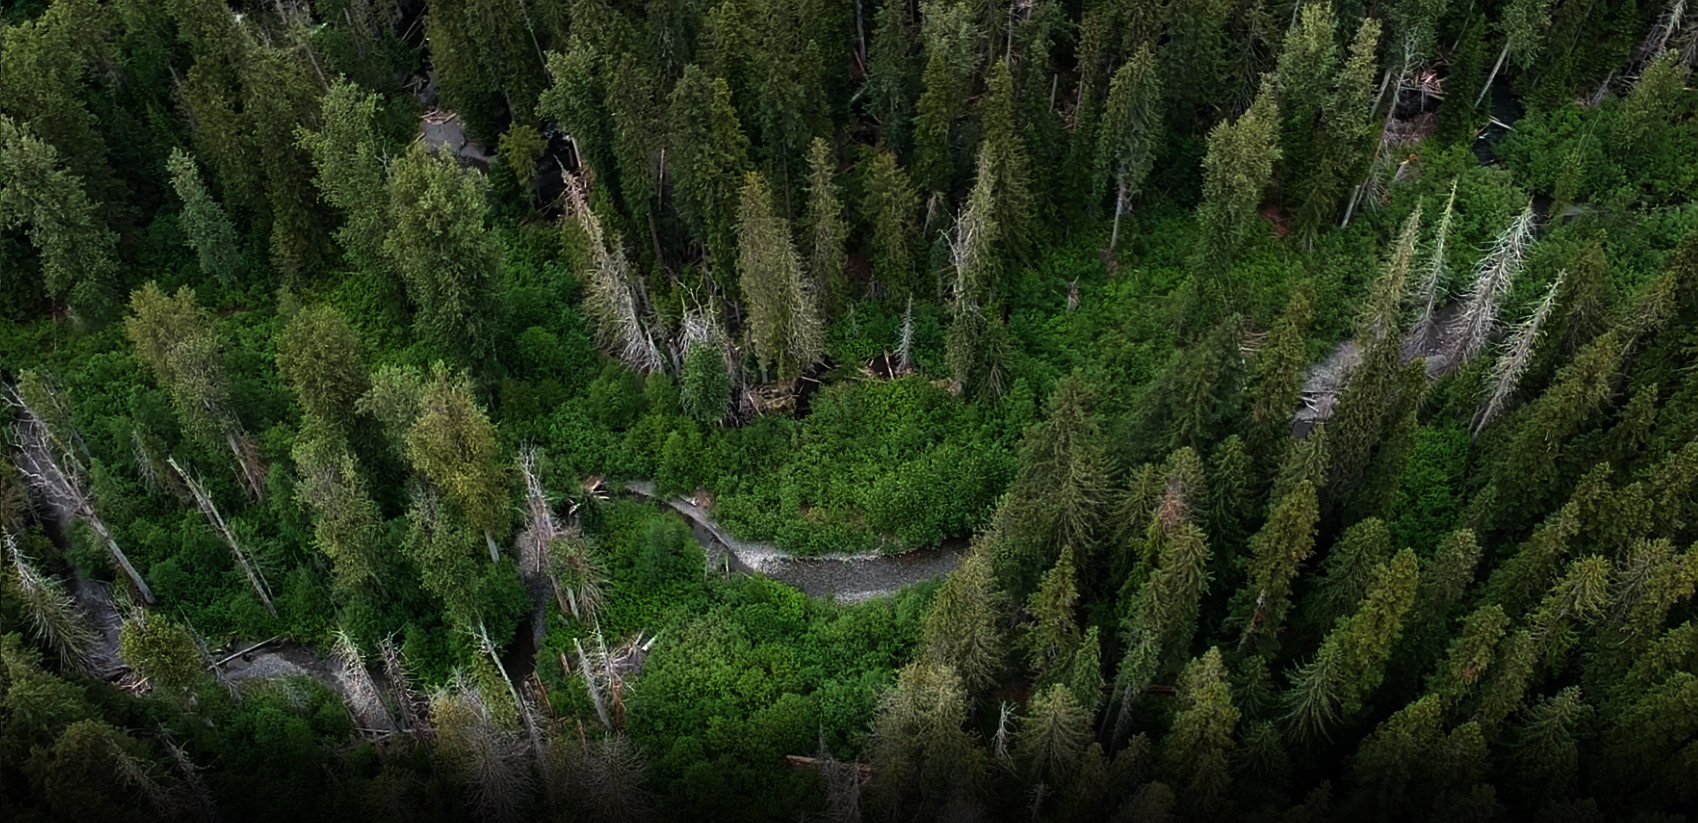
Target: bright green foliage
<point>348,157</point>
<point>961,631</point>
<point>1276,554</point>
<point>709,158</point>
<point>704,388</point>
<point>454,445</point>
<point>1194,752</point>
<point>75,246</point>
<point>320,358</point>
<point>164,653</point>
<point>784,322</point>
<point>1236,170</point>
<point>519,147</point>
<point>447,259</point>
<point>206,228</point>
<point>826,230</point>
<point>1053,635</point>
<point>1350,665</point>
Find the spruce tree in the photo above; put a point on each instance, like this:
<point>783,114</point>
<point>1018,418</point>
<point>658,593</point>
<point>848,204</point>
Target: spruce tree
<point>77,251</point>
<point>709,157</point>
<point>1236,169</point>
<point>1194,753</point>
<point>348,157</point>
<point>1127,136</point>
<point>446,257</point>
<point>1053,737</point>
<point>1276,383</point>
<point>454,445</point>
<point>1276,554</point>
<point>1053,635</point>
<point>921,757</point>
<point>1350,665</point>
<point>206,228</point>
<point>893,75</point>
<point>319,357</point>
<point>961,630</point>
<point>827,232</point>
<point>890,208</point>
<point>784,326</point>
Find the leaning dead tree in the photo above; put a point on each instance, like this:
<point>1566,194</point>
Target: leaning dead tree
<point>487,760</point>
<point>612,300</point>
<point>554,555</point>
<point>1424,333</point>
<point>53,615</point>
<point>1477,317</point>
<point>56,476</point>
<point>1516,356</point>
<point>410,708</point>
<point>203,501</point>
<point>365,701</point>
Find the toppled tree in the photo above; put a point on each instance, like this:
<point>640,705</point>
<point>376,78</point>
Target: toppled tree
<point>215,520</point>
<point>52,469</point>
<point>53,615</point>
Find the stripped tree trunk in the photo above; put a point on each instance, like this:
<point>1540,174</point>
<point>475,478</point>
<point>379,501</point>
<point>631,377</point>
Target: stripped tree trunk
<point>203,501</point>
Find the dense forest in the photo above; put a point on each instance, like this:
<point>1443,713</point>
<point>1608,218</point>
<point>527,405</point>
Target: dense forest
<point>412,410</point>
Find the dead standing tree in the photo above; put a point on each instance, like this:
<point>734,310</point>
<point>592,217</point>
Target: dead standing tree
<point>1477,318</point>
<point>57,477</point>
<point>612,301</point>
<point>203,501</point>
<point>554,555</point>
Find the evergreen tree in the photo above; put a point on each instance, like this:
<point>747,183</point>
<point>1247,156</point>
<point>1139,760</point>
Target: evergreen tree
<point>709,157</point>
<point>1053,636</point>
<point>922,758</point>
<point>893,75</point>
<point>347,526</point>
<point>454,445</point>
<point>890,207</point>
<point>1158,629</point>
<point>1276,553</point>
<point>445,256</point>
<point>206,228</point>
<point>1194,59</point>
<point>1236,170</point>
<point>1127,136</point>
<point>1054,737</point>
<point>1194,753</point>
<point>961,630</point>
<point>829,234</point>
<point>348,157</point>
<point>1276,383</point>
<point>1003,156</point>
<point>784,324</point>
<point>1350,664</point>
<point>319,357</point>
<point>77,250</point>
<point>946,37</point>
<point>1345,574</point>
<point>277,99</point>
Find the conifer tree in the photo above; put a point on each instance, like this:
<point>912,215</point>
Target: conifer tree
<point>1276,383</point>
<point>961,630</point>
<point>1346,573</point>
<point>577,103</point>
<point>1194,753</point>
<point>1158,629</point>
<point>1468,657</point>
<point>277,99</point>
<point>1236,170</point>
<point>1052,637</point>
<point>1277,552</point>
<point>613,299</point>
<point>784,323</point>
<point>454,445</point>
<point>53,616</point>
<point>944,82</point>
<point>893,74</point>
<point>348,158</point>
<point>346,529</point>
<point>206,228</point>
<point>1003,156</point>
<point>77,251</point>
<point>1053,737</point>
<point>922,758</point>
<point>1194,59</point>
<point>1549,634</point>
<point>319,357</point>
<point>708,159</point>
<point>1128,133</point>
<point>827,232</point>
<point>1350,664</point>
<point>1516,356</point>
<point>890,207</point>
<point>445,256</point>
<point>1477,318</point>
<point>174,339</point>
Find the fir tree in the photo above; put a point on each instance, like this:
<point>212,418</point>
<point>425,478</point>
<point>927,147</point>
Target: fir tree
<point>1236,170</point>
<point>1350,664</point>
<point>454,445</point>
<point>1052,637</point>
<point>445,256</point>
<point>319,357</point>
<point>828,233</point>
<point>1276,554</point>
<point>709,157</point>
<point>922,756</point>
<point>784,325</point>
<point>890,207</point>
<point>893,75</point>
<point>961,630</point>
<point>1126,138</point>
<point>77,251</point>
<point>348,157</point>
<point>1194,753</point>
<point>206,228</point>
<point>1053,737</point>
